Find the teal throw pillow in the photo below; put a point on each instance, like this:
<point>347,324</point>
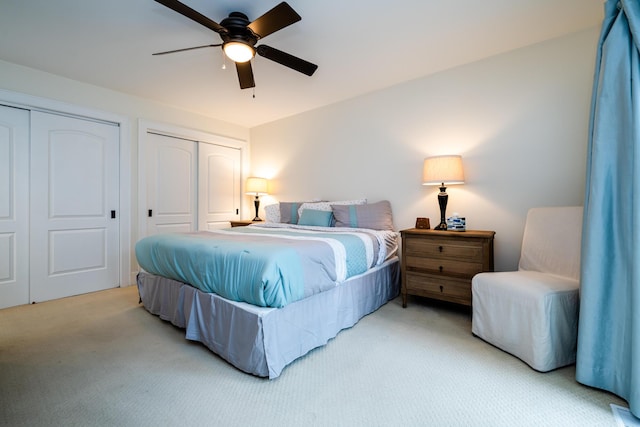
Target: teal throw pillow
<point>314,217</point>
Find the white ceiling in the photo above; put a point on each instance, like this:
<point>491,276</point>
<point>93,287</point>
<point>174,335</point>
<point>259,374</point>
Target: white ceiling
<point>359,46</point>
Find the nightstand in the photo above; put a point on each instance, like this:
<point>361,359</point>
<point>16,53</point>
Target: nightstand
<point>243,222</point>
<point>441,264</point>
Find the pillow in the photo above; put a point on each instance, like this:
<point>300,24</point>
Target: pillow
<point>316,217</point>
<point>376,216</point>
<point>289,212</point>
<point>326,206</point>
<point>272,213</point>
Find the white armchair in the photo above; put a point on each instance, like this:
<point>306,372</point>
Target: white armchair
<point>532,313</point>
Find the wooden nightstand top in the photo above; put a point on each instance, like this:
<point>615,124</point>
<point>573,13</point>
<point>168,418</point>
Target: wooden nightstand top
<point>484,234</point>
<point>244,222</point>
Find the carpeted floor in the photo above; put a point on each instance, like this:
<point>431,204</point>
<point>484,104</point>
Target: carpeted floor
<point>102,360</point>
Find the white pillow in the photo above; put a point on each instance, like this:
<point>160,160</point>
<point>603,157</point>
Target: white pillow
<point>272,213</point>
<point>326,206</point>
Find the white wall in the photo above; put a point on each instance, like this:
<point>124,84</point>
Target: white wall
<point>27,81</point>
<point>519,120</point>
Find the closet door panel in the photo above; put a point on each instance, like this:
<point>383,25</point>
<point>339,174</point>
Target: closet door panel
<point>74,206</point>
<point>219,177</point>
<point>14,206</point>
<point>171,184</point>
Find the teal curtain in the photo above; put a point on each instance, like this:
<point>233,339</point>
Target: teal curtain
<point>609,329</point>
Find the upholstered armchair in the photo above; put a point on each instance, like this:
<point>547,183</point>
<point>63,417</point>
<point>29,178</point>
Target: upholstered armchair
<point>532,313</point>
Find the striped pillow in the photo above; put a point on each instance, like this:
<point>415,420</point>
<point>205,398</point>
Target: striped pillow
<point>376,216</point>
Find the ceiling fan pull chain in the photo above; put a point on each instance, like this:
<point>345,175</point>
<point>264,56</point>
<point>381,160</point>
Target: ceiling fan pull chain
<point>224,60</point>
<point>254,92</point>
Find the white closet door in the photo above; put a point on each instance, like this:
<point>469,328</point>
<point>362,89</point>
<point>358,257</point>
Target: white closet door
<point>219,177</point>
<point>14,206</point>
<point>171,184</point>
<point>74,206</point>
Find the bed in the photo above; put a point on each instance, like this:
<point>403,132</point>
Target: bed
<point>264,295</point>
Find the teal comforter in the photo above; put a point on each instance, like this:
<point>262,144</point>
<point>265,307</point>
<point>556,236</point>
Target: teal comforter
<point>268,267</point>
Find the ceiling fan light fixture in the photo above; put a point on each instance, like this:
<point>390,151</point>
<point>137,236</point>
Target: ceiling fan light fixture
<point>238,51</point>
<point>239,37</point>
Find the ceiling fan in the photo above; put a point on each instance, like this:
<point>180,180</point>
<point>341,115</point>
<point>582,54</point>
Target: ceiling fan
<point>239,37</point>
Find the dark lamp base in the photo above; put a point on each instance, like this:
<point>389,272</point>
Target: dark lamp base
<point>442,201</point>
<point>256,203</point>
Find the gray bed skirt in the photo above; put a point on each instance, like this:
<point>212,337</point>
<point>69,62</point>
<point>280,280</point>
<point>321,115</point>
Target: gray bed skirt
<point>270,338</point>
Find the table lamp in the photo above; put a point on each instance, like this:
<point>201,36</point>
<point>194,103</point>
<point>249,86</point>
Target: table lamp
<point>442,171</point>
<point>256,187</point>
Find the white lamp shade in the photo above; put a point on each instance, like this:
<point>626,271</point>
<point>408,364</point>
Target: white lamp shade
<point>256,186</point>
<point>238,51</point>
<point>442,169</point>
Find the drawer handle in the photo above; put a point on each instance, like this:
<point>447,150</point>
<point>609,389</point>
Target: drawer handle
<point>441,289</point>
<point>440,248</point>
<point>441,268</point>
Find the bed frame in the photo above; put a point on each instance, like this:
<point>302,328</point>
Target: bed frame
<point>271,338</point>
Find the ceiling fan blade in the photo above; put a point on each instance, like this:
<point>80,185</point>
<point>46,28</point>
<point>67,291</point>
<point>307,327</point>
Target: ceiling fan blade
<point>192,14</point>
<point>187,48</point>
<point>245,74</point>
<point>283,58</point>
<point>276,19</point>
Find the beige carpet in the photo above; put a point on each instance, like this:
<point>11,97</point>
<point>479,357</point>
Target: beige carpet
<point>102,360</point>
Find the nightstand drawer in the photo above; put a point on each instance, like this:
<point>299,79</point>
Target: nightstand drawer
<point>439,288</point>
<point>444,249</point>
<point>443,266</point>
